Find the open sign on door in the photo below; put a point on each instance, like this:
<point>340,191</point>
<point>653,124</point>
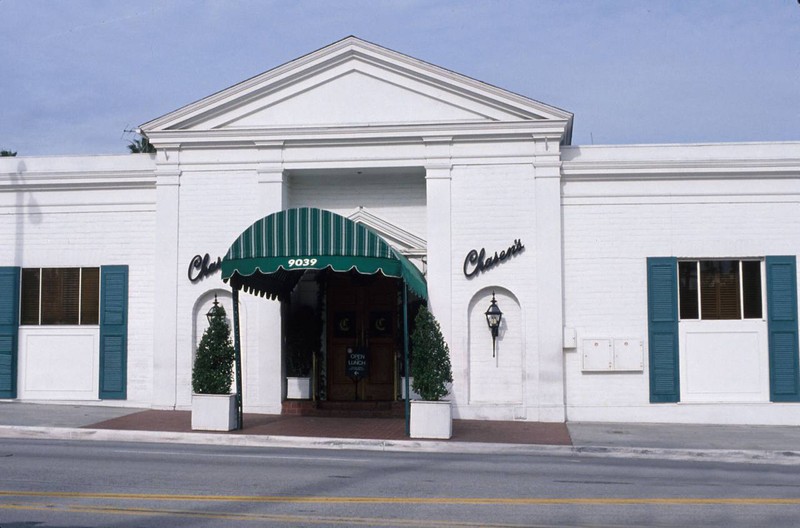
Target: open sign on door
<point>356,363</point>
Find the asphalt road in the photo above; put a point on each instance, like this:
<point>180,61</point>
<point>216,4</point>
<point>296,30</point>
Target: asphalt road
<point>93,484</point>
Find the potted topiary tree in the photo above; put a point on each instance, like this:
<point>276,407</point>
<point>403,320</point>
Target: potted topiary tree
<point>431,417</point>
<point>303,329</point>
<point>213,406</point>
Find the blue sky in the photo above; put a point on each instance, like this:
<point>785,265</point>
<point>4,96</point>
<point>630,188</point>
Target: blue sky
<point>75,74</point>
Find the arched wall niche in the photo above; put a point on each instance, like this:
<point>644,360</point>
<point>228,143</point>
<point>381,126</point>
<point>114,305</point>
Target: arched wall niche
<point>201,307</point>
<point>498,379</point>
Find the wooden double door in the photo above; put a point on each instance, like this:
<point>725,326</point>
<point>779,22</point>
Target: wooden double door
<point>362,337</point>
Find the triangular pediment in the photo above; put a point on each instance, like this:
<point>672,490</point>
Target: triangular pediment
<point>404,241</point>
<point>353,83</point>
<point>355,97</point>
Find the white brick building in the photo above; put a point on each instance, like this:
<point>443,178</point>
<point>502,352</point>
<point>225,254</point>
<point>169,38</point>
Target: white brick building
<point>647,282</point>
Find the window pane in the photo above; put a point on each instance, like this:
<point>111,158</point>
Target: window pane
<point>719,289</point>
<point>90,296</point>
<point>751,288</point>
<point>687,280</point>
<point>60,296</point>
<point>29,309</point>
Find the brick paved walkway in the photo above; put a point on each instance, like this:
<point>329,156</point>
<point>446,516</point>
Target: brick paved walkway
<point>359,428</point>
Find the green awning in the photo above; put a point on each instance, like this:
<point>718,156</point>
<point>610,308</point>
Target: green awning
<point>269,257</point>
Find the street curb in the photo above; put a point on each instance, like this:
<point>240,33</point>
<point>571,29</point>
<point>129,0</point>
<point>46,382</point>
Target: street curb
<point>409,446</point>
<point>753,456</point>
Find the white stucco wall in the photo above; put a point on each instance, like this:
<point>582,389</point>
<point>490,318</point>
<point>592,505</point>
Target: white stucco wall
<point>619,205</point>
<point>624,204</point>
<point>449,165</point>
<point>397,195</point>
<point>216,205</point>
<point>491,208</point>
<point>85,211</point>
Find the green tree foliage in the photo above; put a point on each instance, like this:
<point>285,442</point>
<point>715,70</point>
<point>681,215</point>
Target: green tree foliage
<point>7,153</point>
<point>430,363</point>
<point>213,364</point>
<point>141,145</point>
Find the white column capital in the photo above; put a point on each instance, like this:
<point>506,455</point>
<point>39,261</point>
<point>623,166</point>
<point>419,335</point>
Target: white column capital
<point>168,166</point>
<point>270,155</point>
<point>270,144</point>
<point>547,168</point>
<point>168,154</point>
<point>438,171</point>
<point>168,176</point>
<point>270,173</point>
<point>438,153</point>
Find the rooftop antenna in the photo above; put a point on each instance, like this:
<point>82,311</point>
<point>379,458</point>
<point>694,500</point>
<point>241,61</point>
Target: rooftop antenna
<point>127,130</point>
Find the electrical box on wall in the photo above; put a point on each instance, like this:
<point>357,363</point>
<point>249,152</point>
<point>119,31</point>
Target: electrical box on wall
<point>570,338</point>
<point>628,354</point>
<point>597,355</point>
<point>612,355</point>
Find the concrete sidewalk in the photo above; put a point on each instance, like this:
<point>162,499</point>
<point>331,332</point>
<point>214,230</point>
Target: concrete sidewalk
<point>765,444</point>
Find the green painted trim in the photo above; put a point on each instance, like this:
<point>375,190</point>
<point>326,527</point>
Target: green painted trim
<point>9,330</point>
<point>784,364</point>
<point>113,332</point>
<point>662,329</point>
<point>269,265</point>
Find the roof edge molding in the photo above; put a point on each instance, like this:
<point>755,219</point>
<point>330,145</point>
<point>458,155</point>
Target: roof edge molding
<point>458,93</point>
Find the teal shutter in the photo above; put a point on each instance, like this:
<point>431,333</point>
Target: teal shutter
<point>9,329</point>
<point>113,332</point>
<point>784,374</point>
<point>662,332</point>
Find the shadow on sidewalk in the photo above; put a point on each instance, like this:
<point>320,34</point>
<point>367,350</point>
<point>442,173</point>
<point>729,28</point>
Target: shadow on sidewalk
<point>352,428</point>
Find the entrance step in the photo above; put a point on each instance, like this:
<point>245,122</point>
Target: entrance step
<point>345,409</point>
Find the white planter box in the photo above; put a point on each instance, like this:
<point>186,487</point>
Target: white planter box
<point>298,388</point>
<point>431,419</point>
<point>214,412</point>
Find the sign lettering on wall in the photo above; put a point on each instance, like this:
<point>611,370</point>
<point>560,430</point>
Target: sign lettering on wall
<point>201,267</point>
<point>477,262</point>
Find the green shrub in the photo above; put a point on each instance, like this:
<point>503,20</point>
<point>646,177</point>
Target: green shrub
<point>430,360</point>
<point>213,364</point>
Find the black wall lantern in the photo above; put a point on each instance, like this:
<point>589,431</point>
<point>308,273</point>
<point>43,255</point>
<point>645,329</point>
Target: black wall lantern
<point>212,312</point>
<point>493,318</point>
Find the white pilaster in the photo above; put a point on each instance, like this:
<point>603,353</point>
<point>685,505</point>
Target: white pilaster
<point>438,170</point>
<point>549,294</point>
<point>165,311</point>
<point>272,197</point>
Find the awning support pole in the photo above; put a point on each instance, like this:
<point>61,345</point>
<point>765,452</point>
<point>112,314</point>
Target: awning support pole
<point>405,358</point>
<point>237,357</point>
